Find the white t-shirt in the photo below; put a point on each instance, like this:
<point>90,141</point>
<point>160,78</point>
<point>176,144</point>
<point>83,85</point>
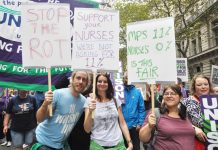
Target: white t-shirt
<point>106,130</point>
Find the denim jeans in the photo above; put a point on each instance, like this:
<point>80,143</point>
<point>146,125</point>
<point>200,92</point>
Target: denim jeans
<point>20,138</point>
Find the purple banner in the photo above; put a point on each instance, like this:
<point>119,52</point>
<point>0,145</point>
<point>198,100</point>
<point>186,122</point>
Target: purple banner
<point>11,51</point>
<point>209,108</point>
<point>117,81</point>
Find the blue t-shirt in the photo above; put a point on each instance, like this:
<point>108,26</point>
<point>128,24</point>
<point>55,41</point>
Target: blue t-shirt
<point>67,109</point>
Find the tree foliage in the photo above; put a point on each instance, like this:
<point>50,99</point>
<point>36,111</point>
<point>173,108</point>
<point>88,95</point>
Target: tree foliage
<point>181,10</point>
<point>129,12</point>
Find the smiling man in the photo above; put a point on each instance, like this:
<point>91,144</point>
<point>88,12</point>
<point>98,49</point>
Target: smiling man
<point>67,107</point>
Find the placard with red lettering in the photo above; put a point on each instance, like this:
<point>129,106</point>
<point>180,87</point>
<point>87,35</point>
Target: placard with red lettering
<point>45,34</point>
<point>96,39</point>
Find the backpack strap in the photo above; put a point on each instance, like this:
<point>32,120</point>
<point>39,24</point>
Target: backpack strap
<point>115,101</point>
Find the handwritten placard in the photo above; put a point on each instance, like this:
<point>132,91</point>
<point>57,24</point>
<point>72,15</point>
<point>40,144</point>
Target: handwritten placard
<point>214,74</point>
<point>151,54</point>
<point>96,39</point>
<point>46,36</point>
<point>182,69</point>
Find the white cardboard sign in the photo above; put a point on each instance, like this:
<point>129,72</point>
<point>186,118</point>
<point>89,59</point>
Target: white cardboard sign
<point>151,53</point>
<point>182,69</point>
<point>96,39</point>
<point>45,33</point>
<point>214,74</point>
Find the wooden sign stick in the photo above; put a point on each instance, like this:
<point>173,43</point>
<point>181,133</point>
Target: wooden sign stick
<point>93,89</point>
<point>49,88</point>
<point>152,98</point>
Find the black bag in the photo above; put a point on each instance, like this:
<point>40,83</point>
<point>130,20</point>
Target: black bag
<point>150,145</point>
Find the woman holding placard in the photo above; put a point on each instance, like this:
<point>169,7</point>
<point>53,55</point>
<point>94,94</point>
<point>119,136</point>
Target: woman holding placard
<point>108,123</point>
<point>200,85</point>
<point>174,130</point>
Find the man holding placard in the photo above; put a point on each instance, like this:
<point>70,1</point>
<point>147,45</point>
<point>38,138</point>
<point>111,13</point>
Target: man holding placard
<point>67,106</point>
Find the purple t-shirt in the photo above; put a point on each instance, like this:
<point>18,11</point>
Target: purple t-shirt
<point>174,134</point>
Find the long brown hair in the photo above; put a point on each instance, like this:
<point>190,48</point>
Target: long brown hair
<point>110,90</point>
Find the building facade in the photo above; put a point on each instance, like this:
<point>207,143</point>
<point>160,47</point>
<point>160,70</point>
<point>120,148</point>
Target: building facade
<point>203,46</point>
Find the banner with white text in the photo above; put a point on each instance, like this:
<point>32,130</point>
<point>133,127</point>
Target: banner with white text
<point>209,108</point>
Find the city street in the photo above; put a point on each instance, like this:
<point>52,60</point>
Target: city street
<point>5,148</point>
<point>10,148</point>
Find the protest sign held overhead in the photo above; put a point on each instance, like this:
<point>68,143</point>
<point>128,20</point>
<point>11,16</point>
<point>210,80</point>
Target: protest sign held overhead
<point>214,74</point>
<point>151,53</point>
<point>96,39</point>
<point>46,35</point>
<point>182,69</point>
<point>12,74</point>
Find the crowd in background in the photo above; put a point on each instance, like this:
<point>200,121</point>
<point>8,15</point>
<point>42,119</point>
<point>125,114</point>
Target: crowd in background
<point>24,118</point>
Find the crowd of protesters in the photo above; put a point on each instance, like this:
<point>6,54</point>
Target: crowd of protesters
<point>93,119</point>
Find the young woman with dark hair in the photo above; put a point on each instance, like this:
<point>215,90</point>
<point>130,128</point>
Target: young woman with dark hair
<point>108,123</point>
<point>174,130</point>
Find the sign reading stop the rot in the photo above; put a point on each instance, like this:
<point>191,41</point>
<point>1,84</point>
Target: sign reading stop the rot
<point>45,32</point>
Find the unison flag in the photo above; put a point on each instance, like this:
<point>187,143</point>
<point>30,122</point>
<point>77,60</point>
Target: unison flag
<point>12,74</point>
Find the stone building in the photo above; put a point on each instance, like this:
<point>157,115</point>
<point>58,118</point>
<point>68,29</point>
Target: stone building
<point>203,48</point>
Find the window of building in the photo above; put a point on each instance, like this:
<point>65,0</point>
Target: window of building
<point>215,31</point>
<point>182,45</point>
<point>199,42</point>
<point>194,46</point>
<point>198,69</point>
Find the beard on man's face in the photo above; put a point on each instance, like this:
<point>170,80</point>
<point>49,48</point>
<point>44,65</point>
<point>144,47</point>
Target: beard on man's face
<point>77,88</point>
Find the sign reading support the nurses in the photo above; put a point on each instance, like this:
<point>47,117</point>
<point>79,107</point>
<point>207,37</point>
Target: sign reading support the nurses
<point>209,108</point>
<point>46,36</point>
<point>182,69</point>
<point>151,52</point>
<point>96,39</point>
